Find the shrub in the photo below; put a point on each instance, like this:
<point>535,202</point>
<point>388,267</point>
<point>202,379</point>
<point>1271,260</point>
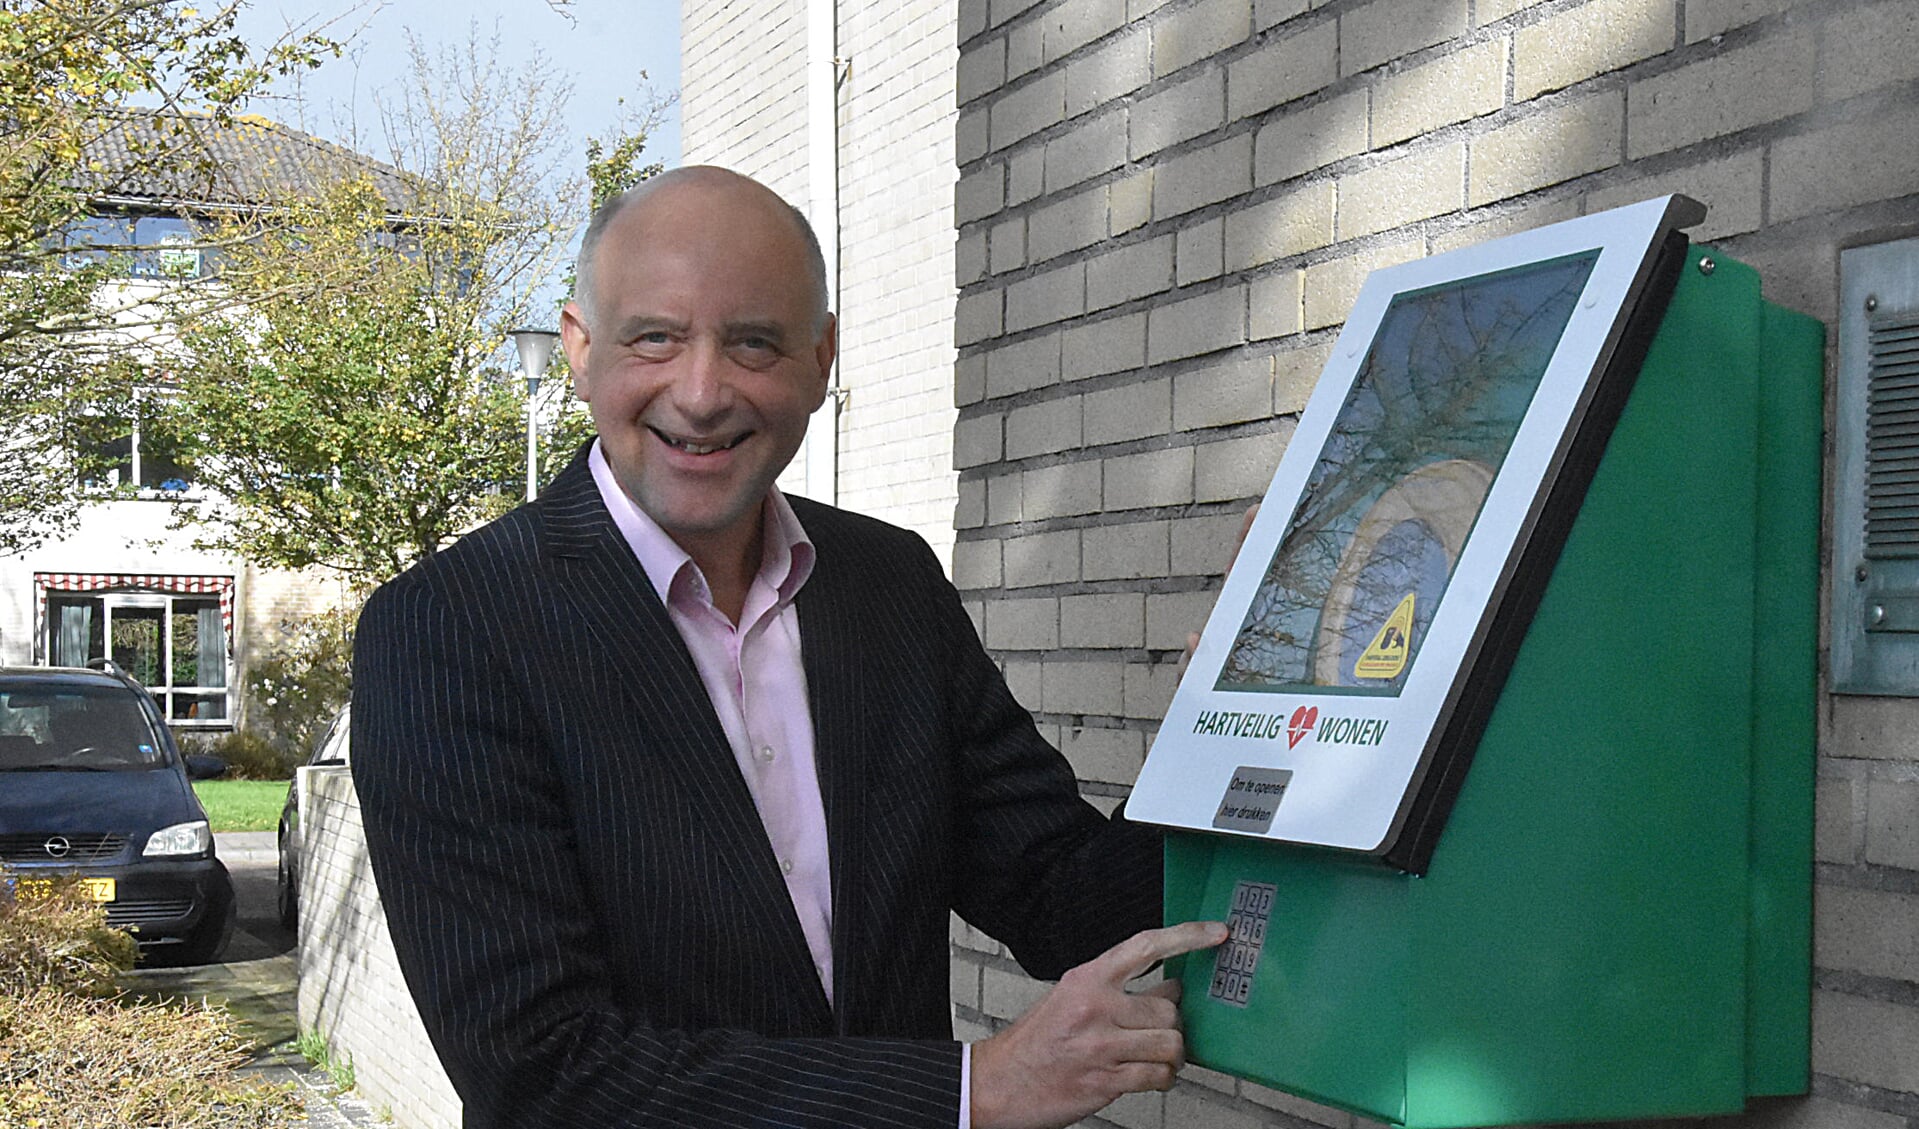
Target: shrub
<point>249,754</point>
<point>295,689</point>
<point>58,940</point>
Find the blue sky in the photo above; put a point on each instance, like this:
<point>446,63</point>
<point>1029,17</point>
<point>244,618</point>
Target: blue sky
<point>601,50</point>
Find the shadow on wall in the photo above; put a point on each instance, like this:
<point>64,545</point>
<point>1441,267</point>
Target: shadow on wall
<point>351,990</point>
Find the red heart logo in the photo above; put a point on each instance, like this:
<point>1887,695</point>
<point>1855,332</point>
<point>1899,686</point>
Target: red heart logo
<point>1301,723</point>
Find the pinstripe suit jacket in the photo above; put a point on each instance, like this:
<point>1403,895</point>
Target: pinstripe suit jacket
<point>585,905</point>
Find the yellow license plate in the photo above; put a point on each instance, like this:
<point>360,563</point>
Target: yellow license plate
<point>92,889</point>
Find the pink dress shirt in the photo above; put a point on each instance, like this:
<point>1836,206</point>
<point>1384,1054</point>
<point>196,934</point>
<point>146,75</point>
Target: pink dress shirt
<point>753,675</point>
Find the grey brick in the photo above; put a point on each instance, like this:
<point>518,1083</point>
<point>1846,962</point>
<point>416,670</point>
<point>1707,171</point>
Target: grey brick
<point>1112,756</point>
<point>1272,305</point>
<point>1720,95</point>
<point>1206,176</point>
<point>1204,324</point>
<point>971,18</point>
<point>1177,113</point>
<point>1022,625</point>
<point>999,11</point>
<point>1029,109</point>
<point>1076,222</point>
<point>1144,1110</point>
<point>1295,373</point>
<point>1731,189</point>
<point>1234,392</point>
<point>1233,469</point>
<point>969,506</point>
<point>970,134</point>
<point>1892,833</point>
<point>1185,1106</point>
<point>1005,499</point>
<point>1025,176</point>
<point>1091,148</point>
<point>1311,1112</point>
<point>962,982</point>
<point>1108,619</point>
<point>1595,38</point>
<point>1417,186</point>
<point>1139,9</point>
<point>1171,616</point>
<point>1007,243</point>
<point>1023,366</point>
<point>969,258</point>
<point>1042,558</point>
<point>1199,32</point>
<point>1097,348</point>
<point>1131,411</point>
<point>1075,23</point>
<point>1873,932</point>
<point>1200,252</point>
<point>979,193</point>
<point>1485,226</point>
<point>1025,50</point>
<point>1838,822</point>
<point>1869,48</point>
<point>1046,298</point>
<point>1310,138</point>
<point>981,69</point>
<point>1268,13</point>
<point>1135,551</point>
<point>1064,490</point>
<point>976,564</point>
<point>976,316</point>
<point>1492,11</point>
<point>1008,995</point>
<point>1282,70</point>
<point>1330,287</point>
<point>1023,679</point>
<point>1040,429</point>
<point>976,440</point>
<point>1203,546</point>
<point>1292,223</point>
<point>1148,688</point>
<point>1867,1041</point>
<point>1149,479</point>
<point>1129,202</point>
<point>1109,73</point>
<point>1076,687</point>
<point>969,380</point>
<point>1465,84</point>
<point>1556,144</point>
<point>1392,29</point>
<point>1882,729</point>
<point>1130,272</point>
<point>1844,165</point>
<point>1705,18</point>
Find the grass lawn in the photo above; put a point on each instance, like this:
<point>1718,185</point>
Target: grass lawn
<point>242,805</point>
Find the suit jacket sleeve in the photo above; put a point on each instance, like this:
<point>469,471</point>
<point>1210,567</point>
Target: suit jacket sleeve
<point>471,839</point>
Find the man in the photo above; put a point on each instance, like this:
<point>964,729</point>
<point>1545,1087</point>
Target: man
<point>670,781</point>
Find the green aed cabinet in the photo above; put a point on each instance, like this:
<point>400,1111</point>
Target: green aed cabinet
<point>1614,921</point>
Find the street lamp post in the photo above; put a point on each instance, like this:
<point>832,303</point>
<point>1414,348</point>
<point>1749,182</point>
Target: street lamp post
<point>536,350</point>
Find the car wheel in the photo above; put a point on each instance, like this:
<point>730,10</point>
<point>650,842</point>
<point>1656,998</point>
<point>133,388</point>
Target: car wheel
<point>210,938</point>
<point>287,898</point>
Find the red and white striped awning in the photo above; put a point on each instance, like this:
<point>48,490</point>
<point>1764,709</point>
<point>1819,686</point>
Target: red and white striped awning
<point>45,583</point>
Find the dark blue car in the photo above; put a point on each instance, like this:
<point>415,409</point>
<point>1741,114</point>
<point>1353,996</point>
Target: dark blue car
<point>92,786</point>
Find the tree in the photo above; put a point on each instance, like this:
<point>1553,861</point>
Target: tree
<point>70,71</point>
<point>352,406</point>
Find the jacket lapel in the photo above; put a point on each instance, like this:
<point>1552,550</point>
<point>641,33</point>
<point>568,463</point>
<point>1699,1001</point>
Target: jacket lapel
<point>598,574</point>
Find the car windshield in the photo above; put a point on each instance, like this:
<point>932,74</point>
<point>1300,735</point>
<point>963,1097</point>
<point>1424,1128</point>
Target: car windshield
<point>74,728</point>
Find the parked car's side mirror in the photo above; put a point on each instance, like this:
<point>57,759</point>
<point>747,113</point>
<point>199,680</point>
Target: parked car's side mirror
<point>203,767</point>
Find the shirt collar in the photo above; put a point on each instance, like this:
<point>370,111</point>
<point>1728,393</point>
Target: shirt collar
<point>785,561</point>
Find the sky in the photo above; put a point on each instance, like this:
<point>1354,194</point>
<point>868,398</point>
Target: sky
<point>602,50</point>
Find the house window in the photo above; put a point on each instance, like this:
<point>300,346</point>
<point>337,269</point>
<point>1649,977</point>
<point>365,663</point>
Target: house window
<point>114,451</point>
<point>175,644</point>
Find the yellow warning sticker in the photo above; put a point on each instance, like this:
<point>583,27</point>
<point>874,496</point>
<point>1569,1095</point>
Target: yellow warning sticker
<point>1385,657</point>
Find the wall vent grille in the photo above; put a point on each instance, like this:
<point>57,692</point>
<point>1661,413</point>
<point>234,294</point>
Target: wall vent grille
<point>1892,437</point>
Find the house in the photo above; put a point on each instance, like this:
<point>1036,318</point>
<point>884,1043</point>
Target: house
<point>125,584</point>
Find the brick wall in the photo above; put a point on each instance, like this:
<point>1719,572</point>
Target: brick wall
<point>1165,208</point>
<point>351,991</point>
<point>744,105</point>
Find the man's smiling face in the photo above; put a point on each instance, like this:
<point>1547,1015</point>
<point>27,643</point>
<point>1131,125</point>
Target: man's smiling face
<point>703,356</point>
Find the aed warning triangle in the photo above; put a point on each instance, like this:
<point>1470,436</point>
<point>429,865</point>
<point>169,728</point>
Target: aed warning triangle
<point>1386,655</point>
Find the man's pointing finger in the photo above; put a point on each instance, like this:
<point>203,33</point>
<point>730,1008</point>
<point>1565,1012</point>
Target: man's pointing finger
<point>1143,950</point>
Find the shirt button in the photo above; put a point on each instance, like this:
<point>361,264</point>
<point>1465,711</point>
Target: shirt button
<point>766,753</point>
<point>786,866</point>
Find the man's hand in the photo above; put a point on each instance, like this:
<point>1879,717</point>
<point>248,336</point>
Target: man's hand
<point>1089,1040</point>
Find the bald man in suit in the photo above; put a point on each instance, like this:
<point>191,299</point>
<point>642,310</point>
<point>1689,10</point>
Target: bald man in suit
<point>671,781</point>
